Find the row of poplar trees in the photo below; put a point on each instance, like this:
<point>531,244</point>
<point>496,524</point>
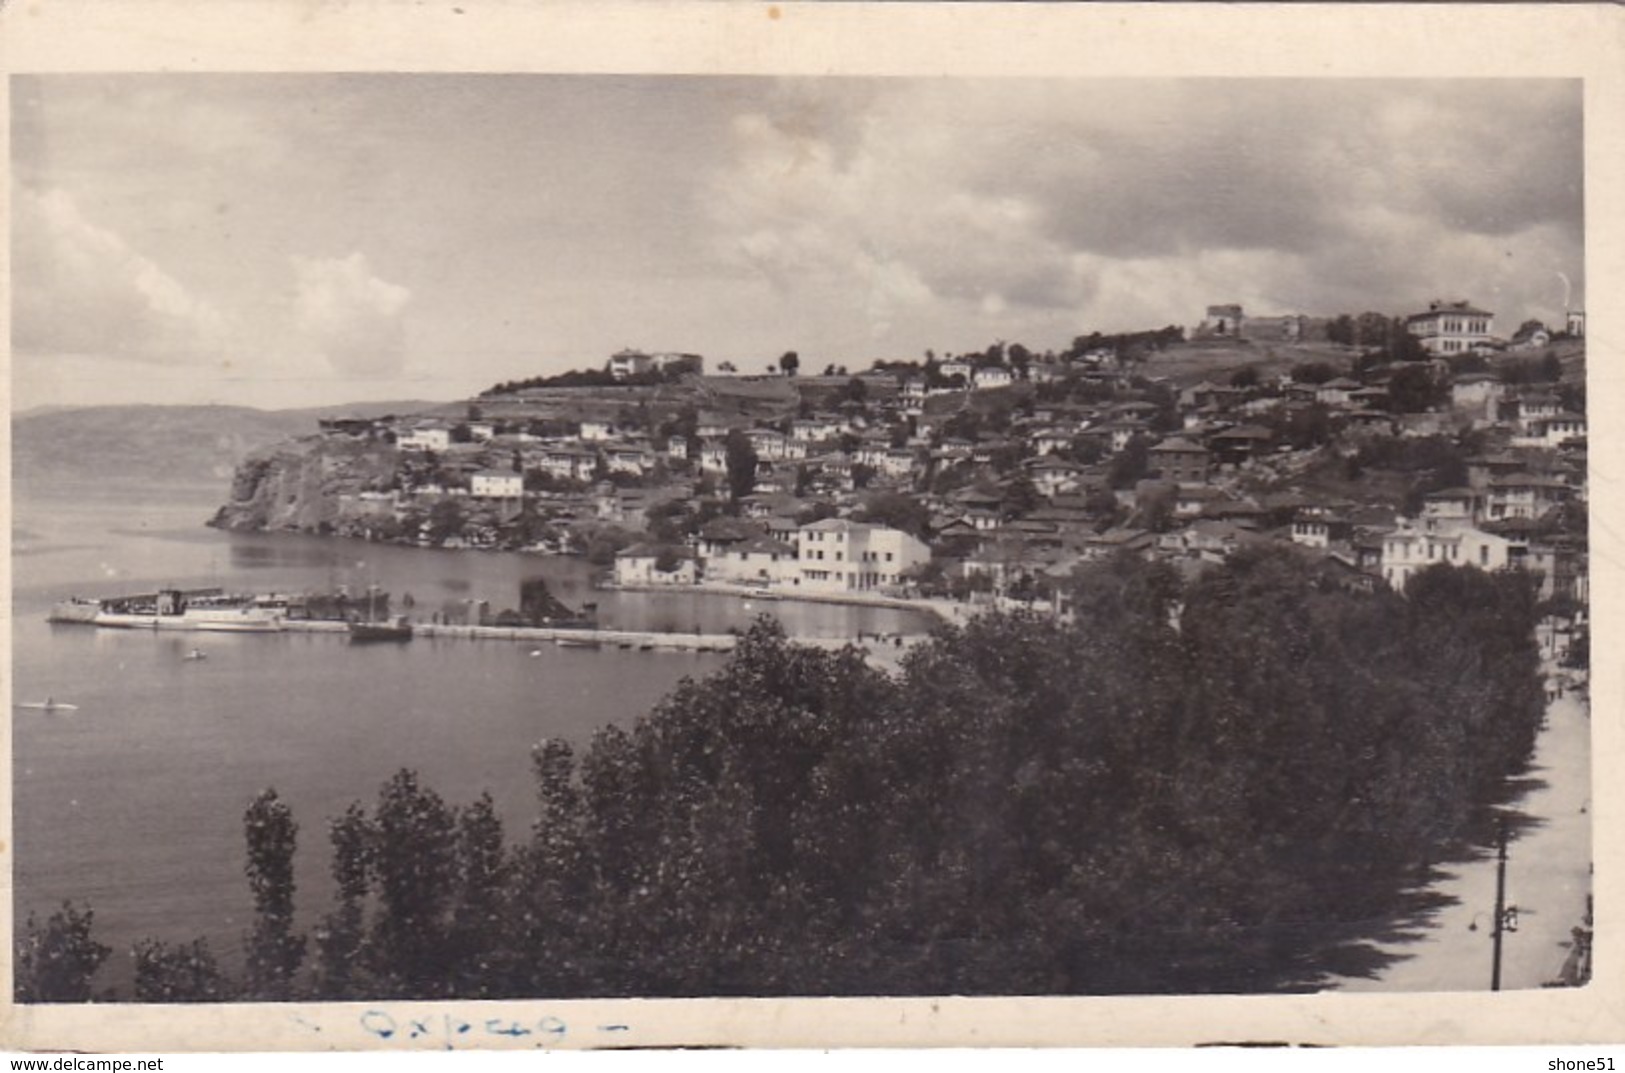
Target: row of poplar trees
<point>1204,786</point>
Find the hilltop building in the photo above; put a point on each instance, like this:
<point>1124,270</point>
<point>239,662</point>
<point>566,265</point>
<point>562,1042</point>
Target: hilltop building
<point>1452,327</point>
<point>628,363</point>
<point>1222,320</point>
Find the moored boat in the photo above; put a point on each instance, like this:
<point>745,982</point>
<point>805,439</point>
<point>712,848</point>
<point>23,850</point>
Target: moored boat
<point>208,610</point>
<point>397,629</point>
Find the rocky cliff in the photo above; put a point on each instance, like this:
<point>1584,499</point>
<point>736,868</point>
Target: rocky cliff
<point>308,484</point>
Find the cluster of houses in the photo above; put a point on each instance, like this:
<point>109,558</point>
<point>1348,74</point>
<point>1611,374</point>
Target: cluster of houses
<point>1008,509</point>
<point>831,555</point>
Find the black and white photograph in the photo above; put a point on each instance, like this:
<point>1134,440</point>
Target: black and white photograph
<point>540,536</point>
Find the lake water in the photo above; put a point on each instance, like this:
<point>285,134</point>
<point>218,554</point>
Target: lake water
<point>134,802</point>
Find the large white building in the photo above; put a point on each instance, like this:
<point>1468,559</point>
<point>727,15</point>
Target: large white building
<point>840,555</point>
<point>1412,548</point>
<point>425,438</point>
<point>1452,327</point>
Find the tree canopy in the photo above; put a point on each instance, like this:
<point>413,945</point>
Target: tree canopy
<point>1201,786</point>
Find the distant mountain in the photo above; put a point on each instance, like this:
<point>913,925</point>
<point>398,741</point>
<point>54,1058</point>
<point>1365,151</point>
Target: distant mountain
<point>123,448</point>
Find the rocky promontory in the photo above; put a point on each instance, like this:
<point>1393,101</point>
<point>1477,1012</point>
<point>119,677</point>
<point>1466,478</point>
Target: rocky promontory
<point>311,484</point>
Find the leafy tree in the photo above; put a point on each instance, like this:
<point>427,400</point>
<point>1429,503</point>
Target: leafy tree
<point>1245,378</point>
<point>1192,787</point>
<point>741,464</point>
<point>1302,429</point>
<point>1086,450</point>
<point>274,950</point>
<point>1340,329</point>
<point>1402,345</point>
<point>182,973</point>
<point>789,362</point>
<point>1020,497</point>
<point>1021,359</point>
<point>479,933</point>
<point>1102,504</point>
<point>816,511</point>
<point>58,963</point>
<point>1373,330</point>
<point>1314,372</point>
<point>341,941</point>
<point>898,511</point>
<point>447,519</point>
<point>1155,510</point>
<point>1414,389</point>
<point>605,542</point>
<point>966,424</point>
<point>1131,464</point>
<point>414,865</point>
<point>1551,367</point>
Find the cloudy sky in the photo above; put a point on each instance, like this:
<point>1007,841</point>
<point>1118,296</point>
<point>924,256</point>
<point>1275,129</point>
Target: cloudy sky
<point>293,240</point>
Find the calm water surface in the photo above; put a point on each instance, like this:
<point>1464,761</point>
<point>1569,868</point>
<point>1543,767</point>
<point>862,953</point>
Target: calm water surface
<point>134,802</point>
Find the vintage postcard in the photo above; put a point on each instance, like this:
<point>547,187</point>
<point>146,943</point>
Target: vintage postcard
<point>585,526</point>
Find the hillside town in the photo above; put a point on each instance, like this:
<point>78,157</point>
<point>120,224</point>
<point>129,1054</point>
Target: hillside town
<point>1379,445</point>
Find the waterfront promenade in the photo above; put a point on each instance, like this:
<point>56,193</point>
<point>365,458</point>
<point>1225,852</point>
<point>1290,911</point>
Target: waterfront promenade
<point>1548,880</point>
<point>947,611</point>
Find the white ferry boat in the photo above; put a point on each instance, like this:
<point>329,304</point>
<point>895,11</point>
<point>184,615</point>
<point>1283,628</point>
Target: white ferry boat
<point>173,609</point>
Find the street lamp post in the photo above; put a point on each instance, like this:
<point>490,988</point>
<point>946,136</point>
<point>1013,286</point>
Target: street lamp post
<point>1505,919</point>
<point>1505,916</point>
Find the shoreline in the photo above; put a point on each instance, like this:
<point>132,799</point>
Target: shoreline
<point>947,612</point>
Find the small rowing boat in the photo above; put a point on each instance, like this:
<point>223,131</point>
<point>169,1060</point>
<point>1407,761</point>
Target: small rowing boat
<point>49,704</point>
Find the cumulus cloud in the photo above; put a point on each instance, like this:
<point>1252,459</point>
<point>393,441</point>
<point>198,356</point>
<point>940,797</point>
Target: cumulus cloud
<point>80,288</point>
<point>350,316</point>
<point>1125,203</point>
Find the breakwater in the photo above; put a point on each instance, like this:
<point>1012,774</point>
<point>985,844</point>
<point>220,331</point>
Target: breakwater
<point>647,640</point>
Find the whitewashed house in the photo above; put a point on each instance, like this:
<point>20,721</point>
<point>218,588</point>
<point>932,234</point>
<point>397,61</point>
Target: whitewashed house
<point>640,565</point>
<point>840,555</point>
<point>992,376</point>
<point>496,484</point>
<point>758,560</point>
<point>425,438</point>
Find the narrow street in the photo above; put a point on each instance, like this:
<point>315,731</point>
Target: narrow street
<point>1548,880</point>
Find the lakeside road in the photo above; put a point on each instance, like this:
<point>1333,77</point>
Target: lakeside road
<point>952,612</point>
<point>885,652</point>
<point>1548,879</point>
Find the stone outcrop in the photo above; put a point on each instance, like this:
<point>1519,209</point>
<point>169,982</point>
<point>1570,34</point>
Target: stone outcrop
<point>305,484</point>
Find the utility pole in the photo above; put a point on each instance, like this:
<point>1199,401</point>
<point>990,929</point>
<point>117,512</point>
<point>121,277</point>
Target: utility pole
<point>1500,907</point>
